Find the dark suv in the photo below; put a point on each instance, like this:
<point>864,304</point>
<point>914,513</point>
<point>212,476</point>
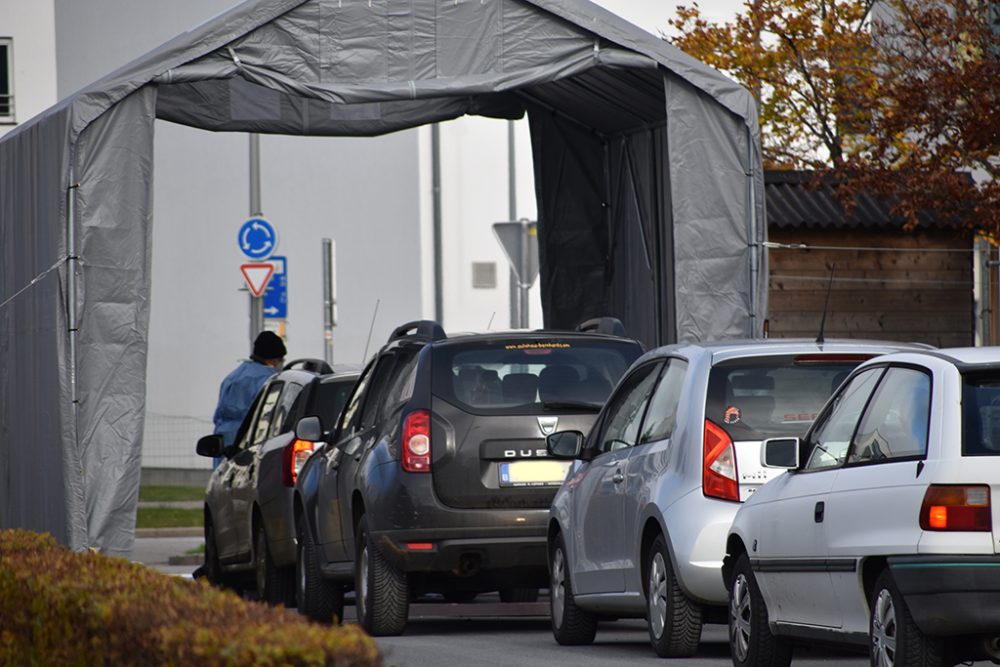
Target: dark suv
<point>436,479</point>
<point>248,500</point>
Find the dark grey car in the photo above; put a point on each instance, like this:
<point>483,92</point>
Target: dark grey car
<point>248,500</point>
<point>437,479</point>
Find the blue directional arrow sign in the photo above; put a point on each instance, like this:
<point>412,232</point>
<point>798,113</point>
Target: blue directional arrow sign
<point>257,238</point>
<point>276,296</point>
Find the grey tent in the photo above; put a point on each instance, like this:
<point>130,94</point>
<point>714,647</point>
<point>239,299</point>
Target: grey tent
<point>647,170</point>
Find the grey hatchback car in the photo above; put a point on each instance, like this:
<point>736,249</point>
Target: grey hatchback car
<point>638,529</point>
<point>249,534</point>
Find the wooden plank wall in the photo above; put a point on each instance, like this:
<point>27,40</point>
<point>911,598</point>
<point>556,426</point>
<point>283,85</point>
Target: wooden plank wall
<point>921,296</point>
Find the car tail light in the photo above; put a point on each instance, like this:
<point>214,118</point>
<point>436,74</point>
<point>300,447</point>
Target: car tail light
<point>295,456</point>
<point>417,441</point>
<point>719,467</point>
<point>965,508</point>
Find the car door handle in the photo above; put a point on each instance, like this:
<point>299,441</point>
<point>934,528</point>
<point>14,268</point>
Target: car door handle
<point>818,512</point>
<point>618,477</point>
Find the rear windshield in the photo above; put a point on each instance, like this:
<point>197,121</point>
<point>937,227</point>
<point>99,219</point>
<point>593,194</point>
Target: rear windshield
<point>753,399</point>
<point>530,376</point>
<point>981,414</point>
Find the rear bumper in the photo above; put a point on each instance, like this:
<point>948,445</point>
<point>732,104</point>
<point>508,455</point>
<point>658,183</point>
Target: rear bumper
<point>950,595</point>
<point>463,554</point>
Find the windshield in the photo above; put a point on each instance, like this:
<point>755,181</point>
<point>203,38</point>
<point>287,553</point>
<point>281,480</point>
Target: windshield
<point>524,376</point>
<point>753,399</point>
<point>981,414</point>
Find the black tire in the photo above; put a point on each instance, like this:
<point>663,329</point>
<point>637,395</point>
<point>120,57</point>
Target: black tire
<point>518,595</point>
<point>571,626</point>
<point>381,590</point>
<point>751,643</point>
<point>674,619</point>
<point>318,598</point>
<point>275,585</point>
<point>213,570</point>
<point>894,639</point>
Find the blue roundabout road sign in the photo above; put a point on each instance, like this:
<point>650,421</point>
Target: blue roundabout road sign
<point>257,238</point>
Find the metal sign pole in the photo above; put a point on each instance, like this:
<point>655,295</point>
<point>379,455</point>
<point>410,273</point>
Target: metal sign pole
<point>256,303</point>
<point>329,299</point>
<point>523,275</point>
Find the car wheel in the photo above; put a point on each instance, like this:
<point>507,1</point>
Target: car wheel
<point>275,585</point>
<point>518,595</point>
<point>318,598</point>
<point>213,570</point>
<point>674,619</point>
<point>571,626</point>
<point>750,640</point>
<point>381,590</point>
<point>895,638</point>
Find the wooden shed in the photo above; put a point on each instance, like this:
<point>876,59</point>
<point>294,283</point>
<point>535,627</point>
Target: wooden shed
<point>887,283</point>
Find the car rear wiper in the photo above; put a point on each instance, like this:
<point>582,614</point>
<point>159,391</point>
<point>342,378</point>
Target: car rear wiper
<point>571,405</point>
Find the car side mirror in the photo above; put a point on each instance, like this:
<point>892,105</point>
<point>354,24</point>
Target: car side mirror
<point>210,445</point>
<point>780,453</point>
<point>564,444</point>
<point>309,428</point>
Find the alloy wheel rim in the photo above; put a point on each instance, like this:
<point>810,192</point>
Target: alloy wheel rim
<point>739,618</point>
<point>558,588</point>
<point>884,630</point>
<point>261,564</point>
<point>300,564</point>
<point>657,595</point>
<point>363,583</point>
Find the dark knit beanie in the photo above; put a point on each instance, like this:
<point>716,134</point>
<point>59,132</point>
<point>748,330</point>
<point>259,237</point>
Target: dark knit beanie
<point>268,346</point>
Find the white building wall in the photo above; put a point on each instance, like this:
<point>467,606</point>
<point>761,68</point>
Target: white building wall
<point>31,26</point>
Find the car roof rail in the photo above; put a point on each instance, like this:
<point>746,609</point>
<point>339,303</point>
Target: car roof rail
<point>605,325</point>
<point>420,329</point>
<point>312,365</point>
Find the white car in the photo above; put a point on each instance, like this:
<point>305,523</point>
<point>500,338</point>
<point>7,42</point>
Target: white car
<point>883,532</point>
<point>639,527</point>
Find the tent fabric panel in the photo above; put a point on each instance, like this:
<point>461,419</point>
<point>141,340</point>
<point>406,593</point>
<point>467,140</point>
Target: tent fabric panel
<point>710,178</point>
<point>114,225</point>
<point>234,105</point>
<point>469,38</point>
<point>573,243</point>
<point>37,475</point>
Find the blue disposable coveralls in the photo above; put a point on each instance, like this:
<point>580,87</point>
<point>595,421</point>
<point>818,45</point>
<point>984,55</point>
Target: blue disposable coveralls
<point>236,395</point>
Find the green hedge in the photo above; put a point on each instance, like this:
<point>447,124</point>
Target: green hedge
<point>58,607</point>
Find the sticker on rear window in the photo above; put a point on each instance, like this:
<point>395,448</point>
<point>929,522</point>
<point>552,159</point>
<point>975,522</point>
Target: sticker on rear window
<point>527,347</point>
<point>732,415</point>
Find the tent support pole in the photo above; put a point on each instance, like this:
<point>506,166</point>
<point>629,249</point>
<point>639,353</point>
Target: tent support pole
<point>755,246</point>
<point>436,205</point>
<point>71,265</point>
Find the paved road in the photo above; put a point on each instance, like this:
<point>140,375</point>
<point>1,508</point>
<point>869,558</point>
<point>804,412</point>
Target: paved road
<point>488,633</point>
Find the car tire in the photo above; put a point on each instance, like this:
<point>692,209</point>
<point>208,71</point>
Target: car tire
<point>751,643</point>
<point>319,599</point>
<point>674,619</point>
<point>275,585</point>
<point>518,595</point>
<point>213,570</point>
<point>571,626</point>
<point>894,638</point>
<point>381,590</point>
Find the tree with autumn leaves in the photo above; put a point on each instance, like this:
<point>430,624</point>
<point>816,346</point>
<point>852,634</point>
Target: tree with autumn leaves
<point>899,97</point>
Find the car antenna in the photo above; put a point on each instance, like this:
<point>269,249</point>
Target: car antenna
<point>371,328</point>
<point>826,305</point>
<point>491,320</point>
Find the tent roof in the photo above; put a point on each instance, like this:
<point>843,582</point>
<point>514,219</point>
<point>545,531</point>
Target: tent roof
<point>622,98</point>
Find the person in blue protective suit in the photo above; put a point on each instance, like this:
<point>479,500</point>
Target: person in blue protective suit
<point>240,387</point>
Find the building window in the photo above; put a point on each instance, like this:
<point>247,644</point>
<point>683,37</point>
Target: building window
<point>6,80</point>
<point>484,275</point>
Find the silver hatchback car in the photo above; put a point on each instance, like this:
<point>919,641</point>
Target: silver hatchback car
<point>638,528</point>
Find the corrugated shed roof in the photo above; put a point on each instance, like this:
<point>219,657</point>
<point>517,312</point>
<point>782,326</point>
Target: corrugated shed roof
<point>793,201</point>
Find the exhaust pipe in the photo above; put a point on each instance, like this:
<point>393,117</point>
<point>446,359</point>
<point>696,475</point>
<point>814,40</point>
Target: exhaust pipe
<point>991,645</point>
<point>468,565</point>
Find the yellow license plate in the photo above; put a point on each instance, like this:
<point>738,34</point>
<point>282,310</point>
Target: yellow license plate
<point>533,473</point>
